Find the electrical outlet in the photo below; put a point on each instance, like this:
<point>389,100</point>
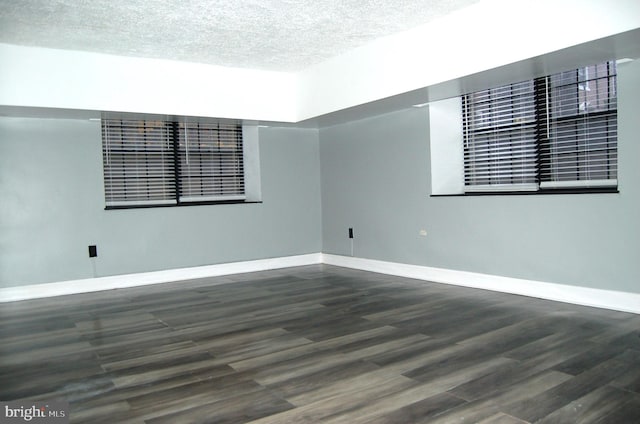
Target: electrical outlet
<point>93,251</point>
<point>423,233</point>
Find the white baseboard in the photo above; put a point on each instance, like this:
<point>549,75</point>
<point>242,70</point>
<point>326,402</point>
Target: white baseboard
<point>607,299</point>
<point>12,294</point>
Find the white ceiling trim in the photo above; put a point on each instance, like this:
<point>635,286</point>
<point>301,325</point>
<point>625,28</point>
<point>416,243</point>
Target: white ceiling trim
<point>423,64</point>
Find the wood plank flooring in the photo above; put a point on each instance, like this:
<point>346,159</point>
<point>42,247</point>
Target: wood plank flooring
<point>321,344</point>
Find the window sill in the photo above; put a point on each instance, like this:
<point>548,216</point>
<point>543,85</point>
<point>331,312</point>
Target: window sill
<point>528,193</point>
<point>173,205</point>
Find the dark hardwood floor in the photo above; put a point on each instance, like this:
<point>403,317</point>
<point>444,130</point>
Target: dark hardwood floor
<point>321,344</point>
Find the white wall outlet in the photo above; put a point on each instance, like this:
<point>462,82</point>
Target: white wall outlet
<point>423,233</point>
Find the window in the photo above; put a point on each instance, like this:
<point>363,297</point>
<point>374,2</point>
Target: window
<point>500,138</point>
<point>157,162</point>
<point>554,132</point>
<point>211,165</point>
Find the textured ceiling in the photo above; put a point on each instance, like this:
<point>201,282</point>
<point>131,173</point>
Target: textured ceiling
<point>283,35</point>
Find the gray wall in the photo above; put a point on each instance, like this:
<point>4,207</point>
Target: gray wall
<point>375,178</point>
<point>52,208</point>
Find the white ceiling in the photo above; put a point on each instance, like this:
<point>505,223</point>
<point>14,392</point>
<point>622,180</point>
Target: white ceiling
<point>281,35</point>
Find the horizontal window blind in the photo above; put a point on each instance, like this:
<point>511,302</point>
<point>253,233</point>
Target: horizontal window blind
<point>582,138</point>
<point>499,132</point>
<point>211,161</point>
<point>138,162</point>
<point>558,131</point>
<point>156,162</point>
